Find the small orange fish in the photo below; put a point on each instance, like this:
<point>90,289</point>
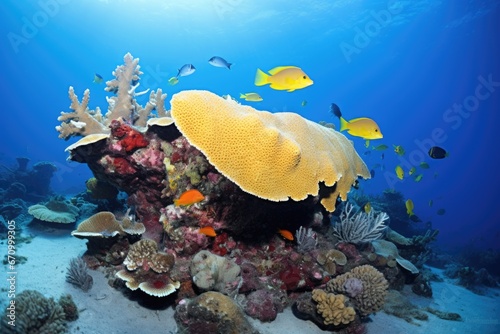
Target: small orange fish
<point>208,231</point>
<point>286,234</point>
<point>189,197</point>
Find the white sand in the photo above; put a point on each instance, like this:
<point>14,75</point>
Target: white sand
<point>107,310</point>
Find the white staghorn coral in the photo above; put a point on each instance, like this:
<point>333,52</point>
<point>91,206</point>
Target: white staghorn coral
<point>82,121</point>
<point>360,227</point>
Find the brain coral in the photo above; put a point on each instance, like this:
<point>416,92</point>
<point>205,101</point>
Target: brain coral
<point>272,156</point>
<point>371,298</point>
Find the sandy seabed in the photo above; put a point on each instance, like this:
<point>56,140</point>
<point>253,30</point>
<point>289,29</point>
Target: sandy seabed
<point>107,310</point>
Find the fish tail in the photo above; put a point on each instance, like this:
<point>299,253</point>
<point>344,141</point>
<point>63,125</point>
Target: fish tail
<point>229,66</point>
<point>343,124</point>
<point>176,202</point>
<point>242,96</point>
<point>261,78</point>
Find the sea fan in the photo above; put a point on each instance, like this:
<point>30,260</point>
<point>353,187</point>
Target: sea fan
<point>78,275</point>
<point>306,239</point>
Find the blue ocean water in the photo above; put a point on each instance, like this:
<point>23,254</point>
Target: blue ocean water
<point>426,71</point>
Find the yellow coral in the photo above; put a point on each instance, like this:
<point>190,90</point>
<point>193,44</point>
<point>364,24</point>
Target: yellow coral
<point>371,296</point>
<point>273,156</point>
<point>332,308</point>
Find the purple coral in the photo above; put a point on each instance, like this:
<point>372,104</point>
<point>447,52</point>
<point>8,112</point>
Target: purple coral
<point>353,287</point>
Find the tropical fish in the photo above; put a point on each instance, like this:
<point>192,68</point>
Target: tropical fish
<point>173,81</point>
<point>441,212</point>
<point>252,97</point>
<point>286,234</point>
<point>189,197</point>
<point>97,78</point>
<point>363,127</point>
<point>219,62</point>
<point>372,173</point>
<point>419,177</point>
<point>380,147</point>
<point>303,103</point>
<point>424,165</point>
<point>287,78</point>
<point>208,231</point>
<point>367,207</point>
<point>437,152</point>
<point>430,202</point>
<point>186,70</point>
<point>400,172</point>
<point>399,150</point>
<point>367,143</point>
<point>409,207</point>
<point>412,171</point>
<point>382,156</point>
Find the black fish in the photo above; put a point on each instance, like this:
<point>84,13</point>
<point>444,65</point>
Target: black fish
<point>372,173</point>
<point>334,109</point>
<point>437,152</point>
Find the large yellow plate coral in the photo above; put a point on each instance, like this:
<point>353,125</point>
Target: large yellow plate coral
<point>273,156</point>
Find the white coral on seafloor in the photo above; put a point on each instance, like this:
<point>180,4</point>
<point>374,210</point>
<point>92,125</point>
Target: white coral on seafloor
<point>360,227</point>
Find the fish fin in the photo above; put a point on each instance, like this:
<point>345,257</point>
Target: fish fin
<point>358,119</point>
<point>261,78</point>
<point>343,124</point>
<point>242,96</point>
<point>279,69</point>
<point>229,66</point>
<point>290,90</point>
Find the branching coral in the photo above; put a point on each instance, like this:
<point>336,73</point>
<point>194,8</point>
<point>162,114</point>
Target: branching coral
<point>374,288</point>
<point>35,314</point>
<point>82,121</point>
<point>361,227</point>
<point>333,308</point>
<point>306,239</point>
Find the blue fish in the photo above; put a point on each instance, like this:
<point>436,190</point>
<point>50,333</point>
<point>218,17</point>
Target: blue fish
<point>219,62</point>
<point>186,70</point>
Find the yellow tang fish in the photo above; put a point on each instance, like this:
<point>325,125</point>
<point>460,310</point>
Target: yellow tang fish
<point>409,207</point>
<point>367,207</point>
<point>400,172</point>
<point>363,127</point>
<point>287,78</point>
<point>252,97</point>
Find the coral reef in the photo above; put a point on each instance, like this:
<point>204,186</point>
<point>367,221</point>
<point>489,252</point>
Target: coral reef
<point>54,211</point>
<point>82,121</point>
<point>333,308</point>
<point>388,249</point>
<point>78,275</point>
<point>148,269</point>
<point>213,272</point>
<point>39,315</point>
<point>211,313</point>
<point>361,227</point>
<point>243,144</point>
<point>367,299</point>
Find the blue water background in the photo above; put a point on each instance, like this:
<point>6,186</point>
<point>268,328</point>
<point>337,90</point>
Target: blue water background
<point>413,60</point>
